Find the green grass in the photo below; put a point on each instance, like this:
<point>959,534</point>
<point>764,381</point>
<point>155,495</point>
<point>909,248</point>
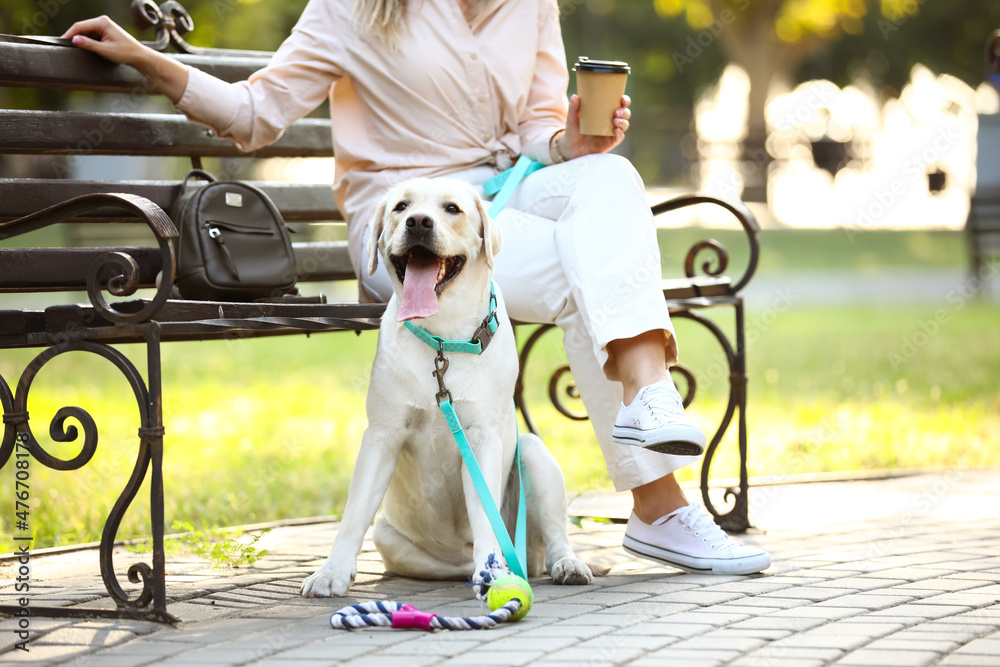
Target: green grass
<point>794,250</point>
<point>267,429</point>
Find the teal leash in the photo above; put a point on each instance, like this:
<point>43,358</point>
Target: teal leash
<point>503,184</point>
<point>515,553</point>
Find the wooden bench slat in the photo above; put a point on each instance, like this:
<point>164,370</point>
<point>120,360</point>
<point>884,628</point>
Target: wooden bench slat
<point>298,202</point>
<point>85,133</point>
<point>63,68</point>
<point>700,286</point>
<point>65,269</point>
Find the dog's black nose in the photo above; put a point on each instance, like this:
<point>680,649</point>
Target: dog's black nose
<point>420,221</point>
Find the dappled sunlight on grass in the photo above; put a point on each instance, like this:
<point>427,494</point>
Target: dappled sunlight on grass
<point>265,429</point>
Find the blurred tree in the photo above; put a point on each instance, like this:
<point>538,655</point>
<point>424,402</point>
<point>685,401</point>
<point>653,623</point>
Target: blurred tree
<point>772,40</point>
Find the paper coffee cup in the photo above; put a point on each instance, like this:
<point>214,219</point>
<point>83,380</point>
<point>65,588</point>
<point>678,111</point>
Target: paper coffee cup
<point>600,85</point>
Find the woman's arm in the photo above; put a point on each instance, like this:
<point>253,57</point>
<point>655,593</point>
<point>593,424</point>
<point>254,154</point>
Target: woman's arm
<point>250,113</point>
<point>107,39</point>
<point>550,131</point>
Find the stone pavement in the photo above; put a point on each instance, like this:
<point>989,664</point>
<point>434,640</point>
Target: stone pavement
<point>902,571</point>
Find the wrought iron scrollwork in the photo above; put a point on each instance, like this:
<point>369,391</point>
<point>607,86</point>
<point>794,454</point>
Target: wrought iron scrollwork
<point>742,214</point>
<point>571,391</point>
<point>17,425</point>
<point>118,269</point>
<point>170,20</point>
<point>721,259</point>
<point>9,423</point>
<point>690,383</point>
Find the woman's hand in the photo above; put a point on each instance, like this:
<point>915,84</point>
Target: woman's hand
<point>574,144</point>
<point>108,40</point>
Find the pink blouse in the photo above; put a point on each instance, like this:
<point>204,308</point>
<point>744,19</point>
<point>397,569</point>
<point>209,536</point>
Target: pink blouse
<point>449,98</point>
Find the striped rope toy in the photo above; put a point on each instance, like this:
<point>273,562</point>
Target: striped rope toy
<point>378,614</point>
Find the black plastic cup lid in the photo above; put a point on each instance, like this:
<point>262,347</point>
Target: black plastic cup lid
<point>585,64</point>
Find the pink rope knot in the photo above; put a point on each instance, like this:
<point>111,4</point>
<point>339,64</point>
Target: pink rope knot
<point>409,616</point>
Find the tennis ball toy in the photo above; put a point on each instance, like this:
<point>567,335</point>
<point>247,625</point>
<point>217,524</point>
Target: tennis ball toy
<point>510,587</point>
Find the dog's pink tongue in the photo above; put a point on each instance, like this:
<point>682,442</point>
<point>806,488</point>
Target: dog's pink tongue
<point>419,299</point>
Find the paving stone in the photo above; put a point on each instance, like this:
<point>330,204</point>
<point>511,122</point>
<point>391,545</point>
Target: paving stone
<point>45,653</point>
<point>714,640</point>
<point>966,599</point>
<point>674,656</point>
<point>678,630</point>
<point>986,646</point>
<point>940,584</point>
<point>968,660</point>
<point>774,622</point>
<point>862,583</point>
<point>603,598</point>
<point>867,657</point>
<point>867,601</point>
<point>758,661</point>
<point>653,587</point>
<point>911,642</point>
<point>699,597</point>
<point>810,593</point>
<point>95,638</point>
<point>611,654</point>
<point>645,642</point>
<point>750,587</point>
<point>844,642</point>
<point>649,609</point>
<point>928,611</point>
<point>484,656</point>
<point>789,651</point>
<point>714,619</point>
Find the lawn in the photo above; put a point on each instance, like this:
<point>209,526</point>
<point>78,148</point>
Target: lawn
<point>267,429</point>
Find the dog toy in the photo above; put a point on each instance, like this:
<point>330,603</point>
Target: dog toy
<point>396,615</point>
<point>507,588</point>
<point>508,596</point>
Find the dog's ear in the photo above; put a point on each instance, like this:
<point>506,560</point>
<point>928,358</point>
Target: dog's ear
<point>378,223</point>
<point>492,238</point>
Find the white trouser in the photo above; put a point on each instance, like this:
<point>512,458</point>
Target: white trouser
<point>580,251</point>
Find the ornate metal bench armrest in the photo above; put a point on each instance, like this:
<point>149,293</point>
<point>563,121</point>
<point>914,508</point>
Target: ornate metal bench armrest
<point>741,213</point>
<point>124,279</point>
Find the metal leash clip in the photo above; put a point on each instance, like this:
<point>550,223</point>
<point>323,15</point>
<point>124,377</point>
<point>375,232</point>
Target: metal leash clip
<point>440,368</point>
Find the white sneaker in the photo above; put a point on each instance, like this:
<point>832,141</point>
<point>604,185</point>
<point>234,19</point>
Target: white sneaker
<point>690,539</point>
<point>655,420</point>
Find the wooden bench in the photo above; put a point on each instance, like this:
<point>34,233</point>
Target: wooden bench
<point>31,204</point>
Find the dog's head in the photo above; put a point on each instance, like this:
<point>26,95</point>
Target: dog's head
<point>433,234</point>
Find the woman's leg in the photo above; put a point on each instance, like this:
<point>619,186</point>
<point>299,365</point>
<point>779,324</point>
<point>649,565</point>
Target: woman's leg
<point>580,249</point>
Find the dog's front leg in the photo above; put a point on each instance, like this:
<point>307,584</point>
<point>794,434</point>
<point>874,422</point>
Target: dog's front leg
<point>488,448</point>
<point>372,472</point>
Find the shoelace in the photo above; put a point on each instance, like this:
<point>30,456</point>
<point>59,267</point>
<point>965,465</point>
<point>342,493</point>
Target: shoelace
<point>696,518</point>
<point>664,402</point>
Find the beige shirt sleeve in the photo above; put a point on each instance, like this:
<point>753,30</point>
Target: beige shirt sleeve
<point>255,112</point>
<point>547,107</point>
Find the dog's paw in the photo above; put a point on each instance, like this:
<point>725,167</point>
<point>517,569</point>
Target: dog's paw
<point>571,572</point>
<point>328,582</point>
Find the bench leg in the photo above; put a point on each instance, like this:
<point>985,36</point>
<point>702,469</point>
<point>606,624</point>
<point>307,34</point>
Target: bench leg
<point>737,519</point>
<point>150,603</point>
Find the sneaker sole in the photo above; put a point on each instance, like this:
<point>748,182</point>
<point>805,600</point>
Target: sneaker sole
<point>745,565</point>
<point>677,439</point>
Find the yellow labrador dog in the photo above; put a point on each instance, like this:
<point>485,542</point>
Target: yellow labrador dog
<point>438,243</point>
